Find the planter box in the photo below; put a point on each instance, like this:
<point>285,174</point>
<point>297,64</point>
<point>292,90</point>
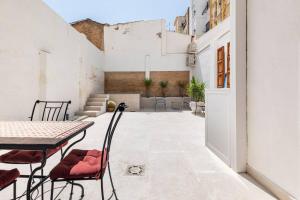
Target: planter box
<point>197,105</point>
<point>149,103</point>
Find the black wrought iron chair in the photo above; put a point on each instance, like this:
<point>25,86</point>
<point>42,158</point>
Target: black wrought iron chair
<point>83,165</point>
<point>186,102</point>
<point>160,101</point>
<point>8,178</point>
<point>50,111</point>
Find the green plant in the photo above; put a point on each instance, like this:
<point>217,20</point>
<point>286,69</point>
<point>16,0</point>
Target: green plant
<point>148,83</point>
<point>182,87</point>
<point>111,106</point>
<point>196,90</point>
<point>163,85</point>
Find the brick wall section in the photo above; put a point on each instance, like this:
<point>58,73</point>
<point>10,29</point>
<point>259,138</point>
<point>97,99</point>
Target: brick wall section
<point>172,77</point>
<point>133,82</point>
<point>94,31</point>
<point>124,82</point>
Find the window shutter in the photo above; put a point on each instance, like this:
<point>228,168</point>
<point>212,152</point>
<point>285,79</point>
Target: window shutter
<point>221,67</point>
<point>228,65</point>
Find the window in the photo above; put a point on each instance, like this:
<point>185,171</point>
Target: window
<point>221,67</point>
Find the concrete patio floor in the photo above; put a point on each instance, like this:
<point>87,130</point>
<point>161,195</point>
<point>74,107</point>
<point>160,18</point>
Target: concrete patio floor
<point>178,166</point>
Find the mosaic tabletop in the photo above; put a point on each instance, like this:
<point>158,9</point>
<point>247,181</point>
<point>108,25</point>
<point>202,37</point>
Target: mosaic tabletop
<point>38,133</point>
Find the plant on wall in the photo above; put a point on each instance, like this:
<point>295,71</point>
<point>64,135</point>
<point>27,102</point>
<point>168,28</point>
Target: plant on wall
<point>196,90</point>
<point>148,83</point>
<point>163,85</point>
<point>182,87</point>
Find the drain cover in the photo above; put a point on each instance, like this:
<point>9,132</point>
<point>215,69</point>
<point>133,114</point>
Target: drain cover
<point>136,170</point>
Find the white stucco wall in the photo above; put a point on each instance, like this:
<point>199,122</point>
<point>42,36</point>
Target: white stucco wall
<point>144,46</point>
<point>43,57</point>
<point>217,126</point>
<point>208,44</point>
<point>273,91</point>
<point>218,105</point>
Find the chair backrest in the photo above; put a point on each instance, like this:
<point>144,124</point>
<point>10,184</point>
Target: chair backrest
<point>50,110</point>
<point>110,133</point>
<point>160,100</point>
<point>186,99</point>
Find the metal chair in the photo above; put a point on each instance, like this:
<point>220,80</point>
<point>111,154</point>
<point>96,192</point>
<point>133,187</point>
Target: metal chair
<point>160,101</point>
<point>84,165</point>
<point>7,178</point>
<point>186,102</point>
<point>50,111</point>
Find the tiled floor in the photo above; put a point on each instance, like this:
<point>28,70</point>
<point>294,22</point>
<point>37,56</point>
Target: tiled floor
<point>177,164</point>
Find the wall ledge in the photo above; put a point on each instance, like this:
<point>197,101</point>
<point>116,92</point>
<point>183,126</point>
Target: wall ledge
<point>269,185</point>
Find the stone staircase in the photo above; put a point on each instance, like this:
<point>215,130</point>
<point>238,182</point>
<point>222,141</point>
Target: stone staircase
<point>95,105</point>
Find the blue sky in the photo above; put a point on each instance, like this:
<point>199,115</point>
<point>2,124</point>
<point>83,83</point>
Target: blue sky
<point>117,11</point>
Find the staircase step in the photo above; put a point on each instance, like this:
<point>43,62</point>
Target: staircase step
<point>96,99</point>
<point>95,103</point>
<point>99,96</point>
<point>92,108</point>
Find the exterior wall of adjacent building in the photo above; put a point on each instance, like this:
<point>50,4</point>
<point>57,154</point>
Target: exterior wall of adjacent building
<point>145,47</point>
<point>93,30</point>
<point>182,23</point>
<point>198,18</point>
<point>43,57</point>
<point>274,94</point>
<point>207,14</point>
<point>219,10</point>
<point>179,24</point>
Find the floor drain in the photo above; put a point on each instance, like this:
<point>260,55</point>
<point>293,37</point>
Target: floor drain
<point>136,170</point>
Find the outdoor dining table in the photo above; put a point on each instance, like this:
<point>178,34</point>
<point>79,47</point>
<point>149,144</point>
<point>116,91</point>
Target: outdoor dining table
<point>37,135</point>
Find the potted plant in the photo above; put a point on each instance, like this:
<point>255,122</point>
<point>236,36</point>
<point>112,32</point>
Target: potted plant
<point>182,87</point>
<point>163,85</point>
<point>196,90</point>
<point>148,83</point>
<point>111,106</point>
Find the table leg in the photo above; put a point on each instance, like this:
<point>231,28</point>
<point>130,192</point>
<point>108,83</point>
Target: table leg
<point>42,186</point>
<point>31,189</point>
<point>62,157</point>
<point>15,189</point>
<point>71,145</point>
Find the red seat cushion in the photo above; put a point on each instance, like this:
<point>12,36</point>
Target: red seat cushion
<point>27,157</point>
<point>7,177</point>
<point>79,164</point>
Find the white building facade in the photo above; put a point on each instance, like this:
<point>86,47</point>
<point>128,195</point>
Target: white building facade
<point>253,126</point>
